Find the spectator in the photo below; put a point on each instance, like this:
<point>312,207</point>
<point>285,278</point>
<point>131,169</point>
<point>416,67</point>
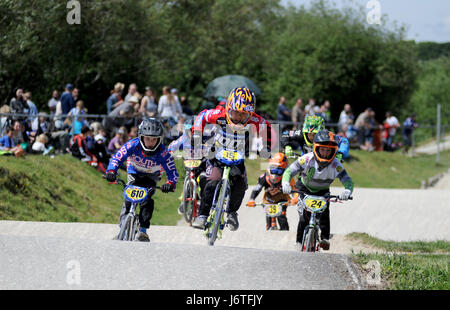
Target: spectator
<point>7,142</point>
<point>325,111</point>
<point>133,133</point>
<point>185,106</point>
<point>77,112</point>
<point>148,103</point>
<point>41,124</point>
<point>391,124</point>
<point>75,94</point>
<point>283,113</point>
<point>79,148</point>
<point>408,130</point>
<point>123,114</point>
<point>40,145</point>
<point>169,107</point>
<point>119,139</point>
<point>67,100</point>
<point>174,92</point>
<point>132,92</point>
<point>116,97</point>
<point>53,102</point>
<point>362,125</point>
<point>32,109</point>
<point>4,120</point>
<point>18,104</point>
<point>101,135</point>
<point>309,109</point>
<point>298,115</point>
<point>346,117</point>
<point>19,134</point>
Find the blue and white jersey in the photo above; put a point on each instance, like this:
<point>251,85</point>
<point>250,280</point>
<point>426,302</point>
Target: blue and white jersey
<point>139,163</point>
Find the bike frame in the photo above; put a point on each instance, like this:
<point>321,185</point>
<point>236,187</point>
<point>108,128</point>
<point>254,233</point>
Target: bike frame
<point>215,222</point>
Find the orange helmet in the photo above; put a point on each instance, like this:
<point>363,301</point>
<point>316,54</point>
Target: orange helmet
<point>240,99</point>
<point>277,165</point>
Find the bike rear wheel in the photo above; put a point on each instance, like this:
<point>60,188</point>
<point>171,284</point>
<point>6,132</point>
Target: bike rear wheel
<point>188,200</point>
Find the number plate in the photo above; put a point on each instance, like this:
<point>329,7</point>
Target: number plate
<point>135,193</point>
<point>273,210</point>
<point>315,203</point>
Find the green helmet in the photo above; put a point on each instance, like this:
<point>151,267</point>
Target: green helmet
<point>312,124</point>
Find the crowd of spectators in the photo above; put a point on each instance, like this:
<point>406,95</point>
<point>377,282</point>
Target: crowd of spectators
<point>363,132</point>
<point>67,127</point>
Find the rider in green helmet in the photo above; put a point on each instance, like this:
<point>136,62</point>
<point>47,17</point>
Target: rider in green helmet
<point>303,139</point>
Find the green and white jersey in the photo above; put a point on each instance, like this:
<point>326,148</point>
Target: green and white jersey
<point>314,178</point>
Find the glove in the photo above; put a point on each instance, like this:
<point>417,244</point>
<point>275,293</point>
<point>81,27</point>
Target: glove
<point>286,187</point>
<point>251,204</point>
<point>168,187</point>
<point>345,194</point>
<point>111,177</point>
<point>339,157</point>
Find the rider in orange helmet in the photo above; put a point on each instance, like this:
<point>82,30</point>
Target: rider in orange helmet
<point>271,182</point>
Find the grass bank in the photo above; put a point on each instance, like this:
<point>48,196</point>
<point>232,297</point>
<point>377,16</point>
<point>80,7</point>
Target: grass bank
<point>63,189</point>
<point>424,267</point>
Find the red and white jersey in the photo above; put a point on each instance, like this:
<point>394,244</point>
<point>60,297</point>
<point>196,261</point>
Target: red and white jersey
<point>230,137</point>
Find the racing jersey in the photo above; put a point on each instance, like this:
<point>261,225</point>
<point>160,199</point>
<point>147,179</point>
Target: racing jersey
<point>139,163</point>
<point>316,178</point>
<point>230,140</point>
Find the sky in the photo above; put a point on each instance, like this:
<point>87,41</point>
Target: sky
<point>425,20</point>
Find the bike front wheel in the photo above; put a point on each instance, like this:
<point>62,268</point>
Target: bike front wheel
<point>125,228</point>
<point>188,200</point>
<point>216,218</point>
<point>309,240</point>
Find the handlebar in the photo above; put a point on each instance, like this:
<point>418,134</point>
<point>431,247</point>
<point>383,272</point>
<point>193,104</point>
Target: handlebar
<point>327,196</point>
<point>124,184</point>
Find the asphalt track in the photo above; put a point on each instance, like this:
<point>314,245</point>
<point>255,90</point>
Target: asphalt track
<point>39,255</point>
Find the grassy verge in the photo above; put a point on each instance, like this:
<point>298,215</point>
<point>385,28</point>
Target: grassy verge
<point>63,189</point>
<point>392,170</point>
<point>411,272</point>
<point>410,246</point>
<point>423,268</point>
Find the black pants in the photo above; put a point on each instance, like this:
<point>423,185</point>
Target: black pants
<point>146,209</point>
<point>324,217</point>
<point>238,184</point>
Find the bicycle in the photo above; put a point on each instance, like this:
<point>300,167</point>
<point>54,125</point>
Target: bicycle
<point>315,205</point>
<point>191,204</point>
<point>136,195</point>
<point>215,222</point>
<point>273,211</point>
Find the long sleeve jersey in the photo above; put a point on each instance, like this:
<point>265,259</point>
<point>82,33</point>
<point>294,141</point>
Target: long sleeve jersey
<point>139,163</point>
<point>237,141</point>
<point>315,178</point>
